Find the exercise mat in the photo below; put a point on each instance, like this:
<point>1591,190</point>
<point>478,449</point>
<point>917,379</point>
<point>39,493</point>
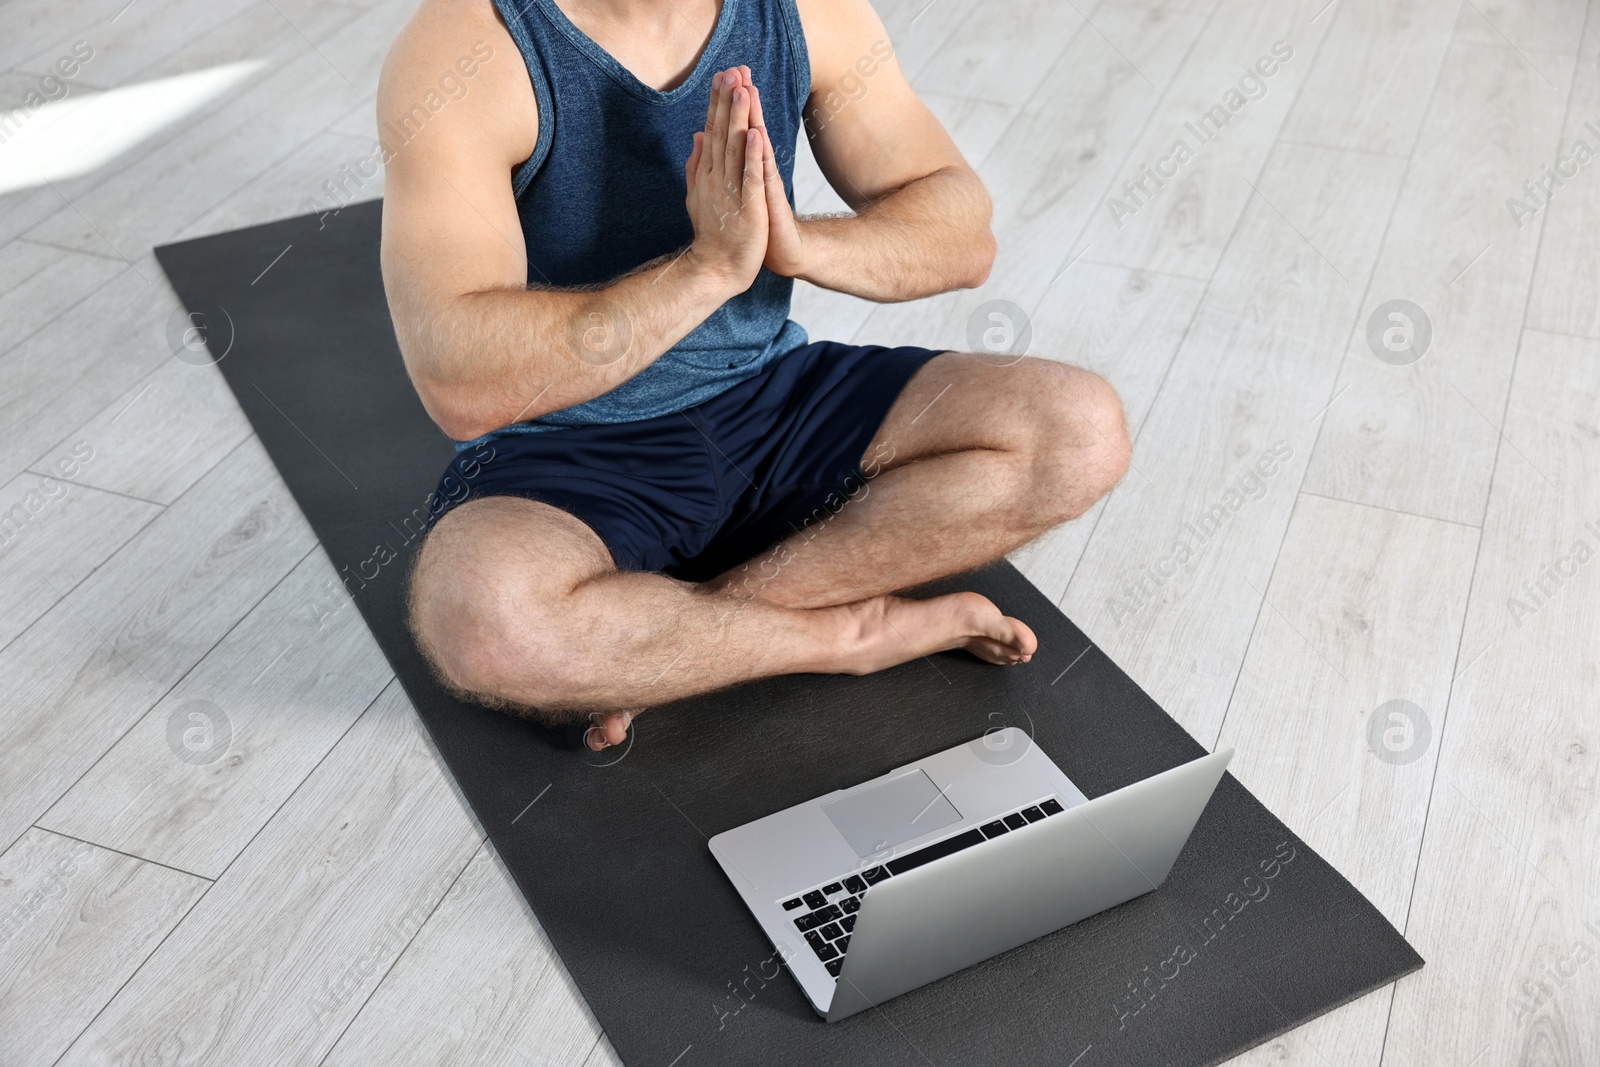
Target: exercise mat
<point>1251,935</point>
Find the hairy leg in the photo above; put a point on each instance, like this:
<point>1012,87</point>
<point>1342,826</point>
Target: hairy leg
<point>974,460</point>
<point>518,605</point>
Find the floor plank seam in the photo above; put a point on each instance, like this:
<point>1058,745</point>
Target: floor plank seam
<point>82,428</point>
<point>164,693</point>
<point>935,50</point>
<point>120,852</point>
<point>60,596</point>
<point>144,73</point>
<point>1392,511</point>
<point>1383,240</point>
<point>224,872</point>
<point>1560,333</point>
<point>123,547</point>
<point>10,350</point>
<point>1433,781</point>
<point>1255,623</point>
<point>149,146</point>
<point>1372,269</point>
<point>1345,148</point>
<point>1477,556</point>
<point>1527,297</point>
<point>47,473</point>
<point>1133,146</point>
<point>1145,270</point>
<point>180,231</point>
<point>37,242</point>
<point>70,1045</point>
<point>1294,506</point>
<point>1021,110</point>
<point>1194,316</point>
<point>1057,269</point>
<point>404,948</point>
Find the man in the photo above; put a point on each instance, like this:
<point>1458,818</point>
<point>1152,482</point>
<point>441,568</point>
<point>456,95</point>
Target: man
<point>662,487</point>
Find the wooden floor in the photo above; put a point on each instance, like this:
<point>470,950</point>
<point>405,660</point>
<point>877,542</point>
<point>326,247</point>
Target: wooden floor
<point>1370,568</point>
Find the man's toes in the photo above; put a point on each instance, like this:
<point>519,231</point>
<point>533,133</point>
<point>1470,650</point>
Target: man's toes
<point>987,648</point>
<point>610,728</point>
<point>1026,642</point>
<point>617,728</point>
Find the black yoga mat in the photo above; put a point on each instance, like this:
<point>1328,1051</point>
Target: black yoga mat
<point>1252,934</point>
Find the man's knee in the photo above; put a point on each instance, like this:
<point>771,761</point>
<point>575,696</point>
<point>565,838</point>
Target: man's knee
<point>466,631</point>
<point>487,661</point>
<point>485,625</point>
<point>1083,448</point>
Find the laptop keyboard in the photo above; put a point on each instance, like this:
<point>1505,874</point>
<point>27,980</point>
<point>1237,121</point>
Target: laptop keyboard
<point>827,915</point>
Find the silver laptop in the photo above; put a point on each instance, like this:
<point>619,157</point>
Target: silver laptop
<point>870,892</point>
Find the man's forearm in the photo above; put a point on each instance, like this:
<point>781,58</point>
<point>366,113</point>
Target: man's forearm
<point>927,237</point>
<point>488,359</point>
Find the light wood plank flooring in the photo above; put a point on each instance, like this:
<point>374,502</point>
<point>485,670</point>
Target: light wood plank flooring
<point>1374,570</point>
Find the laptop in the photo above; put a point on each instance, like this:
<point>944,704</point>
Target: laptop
<point>873,891</point>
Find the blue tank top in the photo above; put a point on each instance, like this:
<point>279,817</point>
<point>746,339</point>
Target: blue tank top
<point>603,191</point>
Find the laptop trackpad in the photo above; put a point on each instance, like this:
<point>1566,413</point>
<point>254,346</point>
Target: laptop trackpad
<point>883,816</point>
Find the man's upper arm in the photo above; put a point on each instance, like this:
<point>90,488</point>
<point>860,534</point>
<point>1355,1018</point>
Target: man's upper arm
<point>455,113</point>
<point>869,130</point>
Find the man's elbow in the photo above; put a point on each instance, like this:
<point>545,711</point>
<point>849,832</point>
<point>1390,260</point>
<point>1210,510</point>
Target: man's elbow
<point>459,406</point>
<point>463,429</point>
<point>981,246</point>
<point>980,259</point>
<point>459,426</point>
<point>460,419</point>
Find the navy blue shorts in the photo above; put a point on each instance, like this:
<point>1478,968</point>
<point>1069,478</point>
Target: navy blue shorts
<point>694,493</point>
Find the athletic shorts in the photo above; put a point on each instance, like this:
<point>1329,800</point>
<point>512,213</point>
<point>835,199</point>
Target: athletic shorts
<point>694,493</point>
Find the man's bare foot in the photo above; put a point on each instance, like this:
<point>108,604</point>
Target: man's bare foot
<point>885,631</point>
<point>888,630</point>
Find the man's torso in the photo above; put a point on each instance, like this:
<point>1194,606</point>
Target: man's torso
<point>602,192</point>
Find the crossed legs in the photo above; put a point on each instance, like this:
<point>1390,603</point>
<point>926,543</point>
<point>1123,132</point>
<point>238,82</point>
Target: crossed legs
<point>518,605</point>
